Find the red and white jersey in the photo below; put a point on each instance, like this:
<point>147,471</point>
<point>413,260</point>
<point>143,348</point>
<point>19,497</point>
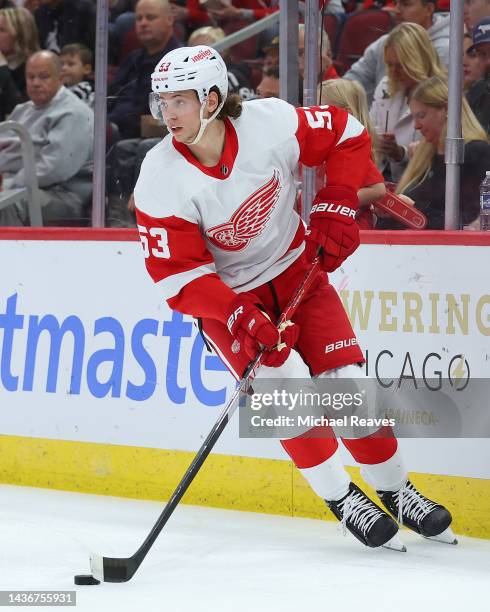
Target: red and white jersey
<point>210,232</point>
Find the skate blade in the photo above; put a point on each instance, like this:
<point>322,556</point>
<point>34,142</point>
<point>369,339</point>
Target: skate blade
<point>395,544</point>
<point>446,537</point>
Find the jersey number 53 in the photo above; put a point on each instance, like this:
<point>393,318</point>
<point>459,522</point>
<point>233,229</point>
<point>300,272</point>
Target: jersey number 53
<point>154,241</point>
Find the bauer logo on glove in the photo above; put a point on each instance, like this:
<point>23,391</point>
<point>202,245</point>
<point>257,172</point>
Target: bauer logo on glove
<point>333,226</point>
<point>333,208</point>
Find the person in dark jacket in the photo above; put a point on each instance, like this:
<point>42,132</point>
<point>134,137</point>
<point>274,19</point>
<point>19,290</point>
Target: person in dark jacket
<point>424,178</point>
<point>9,96</point>
<point>61,22</point>
<point>128,93</point>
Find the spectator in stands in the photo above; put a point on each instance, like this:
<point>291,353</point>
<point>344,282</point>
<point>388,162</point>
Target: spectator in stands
<point>370,69</point>
<point>410,58</point>
<point>352,97</point>
<point>326,68</point>
<point>61,128</point>
<point>271,53</point>
<point>425,176</point>
<point>475,11</point>
<point>479,93</point>
<point>473,66</point>
<point>18,41</point>
<point>128,93</point>
<point>76,71</point>
<point>239,74</point>
<point>61,22</point>
<point>269,85</point>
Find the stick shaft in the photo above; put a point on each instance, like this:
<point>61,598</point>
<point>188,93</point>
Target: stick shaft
<point>224,418</point>
<point>121,570</point>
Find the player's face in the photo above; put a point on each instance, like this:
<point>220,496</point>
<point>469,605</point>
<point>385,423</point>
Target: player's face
<point>180,112</point>
<point>72,70</point>
<point>429,120</point>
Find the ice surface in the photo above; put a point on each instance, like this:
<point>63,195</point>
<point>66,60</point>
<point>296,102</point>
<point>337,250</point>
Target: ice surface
<point>224,561</point>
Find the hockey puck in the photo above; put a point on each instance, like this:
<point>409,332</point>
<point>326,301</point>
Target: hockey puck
<point>86,579</point>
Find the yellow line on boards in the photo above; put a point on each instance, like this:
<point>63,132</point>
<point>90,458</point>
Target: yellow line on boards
<point>240,483</point>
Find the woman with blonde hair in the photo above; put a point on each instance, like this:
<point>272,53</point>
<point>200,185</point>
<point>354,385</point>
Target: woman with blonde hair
<point>425,176</point>
<point>350,96</point>
<point>19,39</point>
<point>410,58</point>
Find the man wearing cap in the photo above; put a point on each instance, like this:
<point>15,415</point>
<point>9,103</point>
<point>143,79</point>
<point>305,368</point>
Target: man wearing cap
<point>479,93</point>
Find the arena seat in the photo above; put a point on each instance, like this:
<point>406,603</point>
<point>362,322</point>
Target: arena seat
<point>358,32</point>
<point>332,26</point>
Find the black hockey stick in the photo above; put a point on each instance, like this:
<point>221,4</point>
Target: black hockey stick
<point>115,569</point>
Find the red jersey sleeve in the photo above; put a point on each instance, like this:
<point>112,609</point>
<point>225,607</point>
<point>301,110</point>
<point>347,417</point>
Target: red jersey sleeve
<point>182,267</point>
<point>373,175</point>
<point>331,136</point>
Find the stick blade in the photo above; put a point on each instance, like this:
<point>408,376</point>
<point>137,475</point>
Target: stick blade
<point>112,569</point>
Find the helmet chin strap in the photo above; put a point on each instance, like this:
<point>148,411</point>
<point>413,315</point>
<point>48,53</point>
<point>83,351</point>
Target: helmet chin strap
<point>205,122</point>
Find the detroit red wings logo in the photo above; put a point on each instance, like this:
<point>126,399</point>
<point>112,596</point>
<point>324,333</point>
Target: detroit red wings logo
<point>249,220</point>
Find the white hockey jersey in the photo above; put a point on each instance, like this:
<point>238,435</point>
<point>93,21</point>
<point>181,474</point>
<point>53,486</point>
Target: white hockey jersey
<point>210,232</point>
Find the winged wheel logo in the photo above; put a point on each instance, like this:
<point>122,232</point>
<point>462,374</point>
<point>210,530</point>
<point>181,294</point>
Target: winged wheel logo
<point>249,220</point>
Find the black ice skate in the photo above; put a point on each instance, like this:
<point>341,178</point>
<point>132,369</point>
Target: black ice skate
<point>365,520</point>
<point>419,513</point>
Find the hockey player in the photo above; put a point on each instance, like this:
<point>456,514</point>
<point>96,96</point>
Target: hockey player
<point>223,243</point>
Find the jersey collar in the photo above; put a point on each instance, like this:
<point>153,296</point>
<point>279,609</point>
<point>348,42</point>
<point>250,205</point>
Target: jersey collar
<point>223,168</point>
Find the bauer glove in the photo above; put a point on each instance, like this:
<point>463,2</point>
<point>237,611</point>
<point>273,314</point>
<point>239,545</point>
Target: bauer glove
<point>333,226</point>
<point>251,326</point>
